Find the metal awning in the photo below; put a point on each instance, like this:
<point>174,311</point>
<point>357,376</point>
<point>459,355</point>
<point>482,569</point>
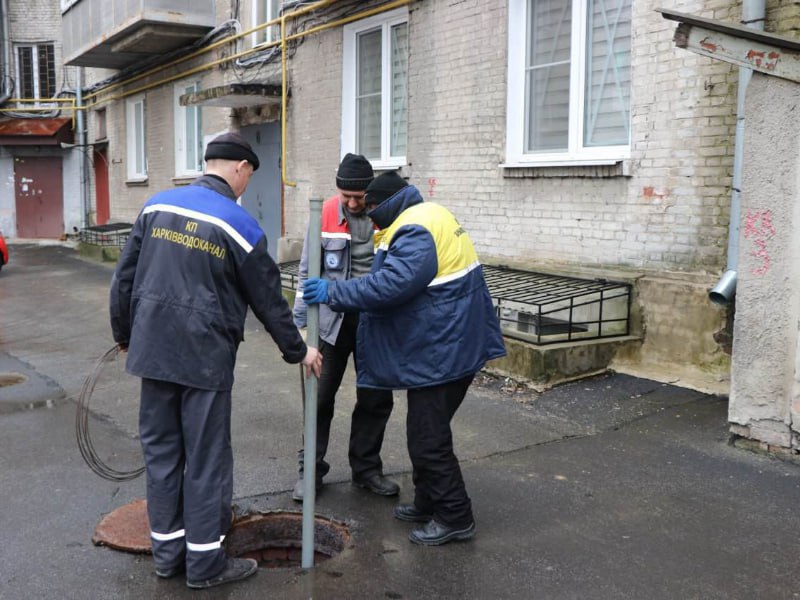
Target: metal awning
<point>746,47</point>
<point>235,95</point>
<point>36,132</point>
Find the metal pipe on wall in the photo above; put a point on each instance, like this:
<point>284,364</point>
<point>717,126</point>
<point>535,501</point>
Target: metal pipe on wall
<point>753,14</point>
<point>5,93</point>
<point>82,148</point>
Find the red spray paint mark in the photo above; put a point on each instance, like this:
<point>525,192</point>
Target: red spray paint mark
<point>708,46</point>
<point>431,186</point>
<point>758,227</point>
<point>763,60</point>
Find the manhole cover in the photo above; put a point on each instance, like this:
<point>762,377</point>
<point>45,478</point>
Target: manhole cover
<point>274,538</point>
<point>9,379</point>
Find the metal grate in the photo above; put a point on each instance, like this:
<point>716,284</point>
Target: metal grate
<point>110,234</point>
<point>542,308</point>
<point>547,309</point>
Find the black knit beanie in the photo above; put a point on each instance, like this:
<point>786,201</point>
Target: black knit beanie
<point>384,187</point>
<point>355,173</point>
<point>231,146</point>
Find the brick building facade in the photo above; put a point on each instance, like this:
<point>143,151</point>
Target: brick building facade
<point>653,212</point>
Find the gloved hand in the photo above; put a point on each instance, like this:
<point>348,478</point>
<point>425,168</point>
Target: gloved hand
<point>315,291</point>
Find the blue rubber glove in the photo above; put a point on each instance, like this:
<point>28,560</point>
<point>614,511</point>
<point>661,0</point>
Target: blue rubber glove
<point>315,291</point>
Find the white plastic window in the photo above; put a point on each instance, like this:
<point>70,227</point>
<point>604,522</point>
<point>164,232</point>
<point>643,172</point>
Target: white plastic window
<point>375,88</point>
<point>188,134</point>
<point>569,81</point>
<point>136,139</point>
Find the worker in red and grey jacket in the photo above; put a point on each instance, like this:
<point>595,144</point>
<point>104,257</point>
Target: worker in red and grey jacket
<point>347,253</point>
<point>193,264</point>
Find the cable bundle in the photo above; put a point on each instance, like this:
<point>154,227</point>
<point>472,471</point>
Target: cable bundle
<point>85,445</point>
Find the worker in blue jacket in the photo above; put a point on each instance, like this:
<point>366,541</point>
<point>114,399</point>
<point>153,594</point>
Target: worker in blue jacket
<point>193,264</point>
<point>428,320</point>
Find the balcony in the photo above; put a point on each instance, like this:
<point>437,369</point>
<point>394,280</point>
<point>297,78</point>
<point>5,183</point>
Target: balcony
<point>114,34</point>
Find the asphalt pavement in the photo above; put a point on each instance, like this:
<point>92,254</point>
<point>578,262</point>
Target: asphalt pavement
<point>612,487</point>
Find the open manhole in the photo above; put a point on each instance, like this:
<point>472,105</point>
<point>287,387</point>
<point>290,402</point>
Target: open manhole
<point>273,538</point>
<point>9,379</point>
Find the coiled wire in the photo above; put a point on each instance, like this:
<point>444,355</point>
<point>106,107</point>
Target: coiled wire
<point>82,414</point>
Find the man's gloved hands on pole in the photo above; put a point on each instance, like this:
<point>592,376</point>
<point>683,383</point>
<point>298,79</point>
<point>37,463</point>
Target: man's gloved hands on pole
<point>315,291</point>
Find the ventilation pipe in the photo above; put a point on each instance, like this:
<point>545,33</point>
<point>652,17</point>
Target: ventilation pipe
<point>5,93</point>
<point>753,13</point>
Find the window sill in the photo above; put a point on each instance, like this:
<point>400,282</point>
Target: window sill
<point>137,182</point>
<point>582,168</point>
<point>185,179</point>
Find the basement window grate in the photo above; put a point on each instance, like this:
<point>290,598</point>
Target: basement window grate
<point>110,234</point>
<point>547,309</point>
<point>544,309</point>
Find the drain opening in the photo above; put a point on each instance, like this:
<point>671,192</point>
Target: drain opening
<point>9,379</point>
<point>275,539</point>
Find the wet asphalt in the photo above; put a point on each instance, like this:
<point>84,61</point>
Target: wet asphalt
<point>612,487</point>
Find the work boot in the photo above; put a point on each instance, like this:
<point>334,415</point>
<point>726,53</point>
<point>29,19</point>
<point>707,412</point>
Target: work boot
<point>410,512</point>
<point>378,484</point>
<point>436,534</point>
<point>300,489</point>
<point>235,570</point>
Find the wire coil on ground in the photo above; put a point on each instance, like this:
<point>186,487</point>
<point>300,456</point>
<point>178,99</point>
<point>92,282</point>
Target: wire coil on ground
<point>87,449</point>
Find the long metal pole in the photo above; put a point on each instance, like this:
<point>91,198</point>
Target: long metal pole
<point>310,435</point>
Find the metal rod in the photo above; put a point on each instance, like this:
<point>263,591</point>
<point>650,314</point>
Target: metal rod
<point>310,420</point>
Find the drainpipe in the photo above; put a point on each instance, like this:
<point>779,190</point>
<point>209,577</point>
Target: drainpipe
<point>83,148</point>
<point>753,13</point>
<point>5,94</point>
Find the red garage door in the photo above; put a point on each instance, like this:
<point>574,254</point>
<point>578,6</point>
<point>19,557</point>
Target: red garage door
<point>39,197</point>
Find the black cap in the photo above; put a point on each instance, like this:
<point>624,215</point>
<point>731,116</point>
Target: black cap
<point>231,146</point>
<point>384,187</point>
<point>355,173</point>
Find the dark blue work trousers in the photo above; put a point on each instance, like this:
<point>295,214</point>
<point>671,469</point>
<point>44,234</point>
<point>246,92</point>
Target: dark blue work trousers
<point>370,415</point>
<point>438,485</point>
<point>186,439</point>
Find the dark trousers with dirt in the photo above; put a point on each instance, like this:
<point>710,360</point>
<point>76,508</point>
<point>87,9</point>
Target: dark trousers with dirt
<point>186,439</point>
<point>370,415</point>
<point>439,486</point>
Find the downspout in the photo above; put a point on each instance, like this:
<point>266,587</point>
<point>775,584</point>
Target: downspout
<point>753,13</point>
<point>5,94</point>
<point>83,148</point>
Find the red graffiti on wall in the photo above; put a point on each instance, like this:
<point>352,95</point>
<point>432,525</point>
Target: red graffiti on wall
<point>758,227</point>
<point>764,60</point>
<point>431,185</point>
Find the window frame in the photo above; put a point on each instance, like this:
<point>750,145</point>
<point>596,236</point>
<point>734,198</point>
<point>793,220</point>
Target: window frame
<point>268,34</point>
<point>576,154</point>
<point>181,148</point>
<point>36,48</point>
<point>385,22</point>
<point>135,141</point>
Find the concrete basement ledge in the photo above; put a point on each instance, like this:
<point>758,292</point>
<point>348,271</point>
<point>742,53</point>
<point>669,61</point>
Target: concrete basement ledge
<point>545,366</point>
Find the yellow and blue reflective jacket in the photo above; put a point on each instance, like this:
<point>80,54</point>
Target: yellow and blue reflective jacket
<point>427,316</point>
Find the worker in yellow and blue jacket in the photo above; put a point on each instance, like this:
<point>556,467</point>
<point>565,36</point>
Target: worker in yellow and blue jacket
<point>428,320</point>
